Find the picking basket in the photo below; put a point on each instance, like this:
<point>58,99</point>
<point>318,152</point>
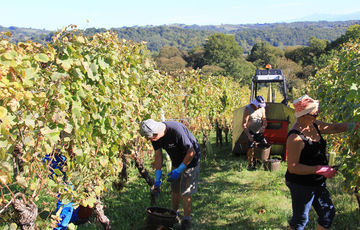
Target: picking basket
<point>262,153</point>
<point>160,218</point>
<point>272,164</point>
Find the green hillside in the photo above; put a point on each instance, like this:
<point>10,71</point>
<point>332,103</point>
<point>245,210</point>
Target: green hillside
<point>186,37</point>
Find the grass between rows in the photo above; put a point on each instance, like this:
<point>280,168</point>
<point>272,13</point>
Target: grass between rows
<point>229,197</point>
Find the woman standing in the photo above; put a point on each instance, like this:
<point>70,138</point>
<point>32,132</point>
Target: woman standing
<point>307,164</point>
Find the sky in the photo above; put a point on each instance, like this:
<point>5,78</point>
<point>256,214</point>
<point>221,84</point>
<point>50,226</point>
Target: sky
<point>55,14</point>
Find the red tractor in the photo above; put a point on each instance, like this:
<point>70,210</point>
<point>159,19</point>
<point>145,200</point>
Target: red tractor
<point>279,115</point>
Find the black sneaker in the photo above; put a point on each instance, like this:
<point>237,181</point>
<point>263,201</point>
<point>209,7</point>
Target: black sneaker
<point>251,167</point>
<point>258,163</point>
<point>185,224</point>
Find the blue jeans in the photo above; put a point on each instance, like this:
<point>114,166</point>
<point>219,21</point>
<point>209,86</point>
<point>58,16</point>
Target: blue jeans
<point>303,197</point>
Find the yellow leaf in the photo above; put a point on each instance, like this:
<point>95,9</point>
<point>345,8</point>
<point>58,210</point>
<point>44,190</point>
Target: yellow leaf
<point>28,95</point>
<point>20,180</point>
<point>71,226</point>
<point>29,141</point>
<point>5,167</point>
<point>3,179</point>
<point>3,155</point>
<point>14,104</point>
<point>3,112</point>
<point>42,95</point>
<point>33,186</point>
<point>91,202</point>
<point>81,39</point>
<point>103,161</point>
<point>98,190</point>
<point>84,203</point>
<point>13,226</point>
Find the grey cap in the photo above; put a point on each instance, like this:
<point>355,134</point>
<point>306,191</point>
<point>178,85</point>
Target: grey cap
<point>150,127</point>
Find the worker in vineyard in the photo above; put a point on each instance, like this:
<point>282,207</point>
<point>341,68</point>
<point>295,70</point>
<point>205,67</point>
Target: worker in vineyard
<point>307,164</point>
<point>68,212</point>
<point>184,152</point>
<point>254,124</point>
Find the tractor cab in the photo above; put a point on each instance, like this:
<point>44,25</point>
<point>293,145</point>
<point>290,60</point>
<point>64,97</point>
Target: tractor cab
<point>271,84</point>
<point>268,76</point>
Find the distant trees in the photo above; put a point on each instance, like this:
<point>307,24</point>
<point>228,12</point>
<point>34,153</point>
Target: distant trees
<point>263,53</point>
<point>160,36</point>
<point>352,33</point>
<point>187,37</point>
<point>171,59</point>
<point>220,55</point>
<point>290,34</point>
<point>291,70</point>
<point>221,49</point>
<point>196,57</point>
<point>309,57</point>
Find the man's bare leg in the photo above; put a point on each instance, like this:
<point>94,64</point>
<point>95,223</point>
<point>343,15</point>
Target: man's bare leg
<point>187,205</point>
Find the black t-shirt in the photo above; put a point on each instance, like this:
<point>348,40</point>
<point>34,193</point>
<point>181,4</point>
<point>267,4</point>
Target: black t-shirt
<point>177,141</point>
<point>312,154</point>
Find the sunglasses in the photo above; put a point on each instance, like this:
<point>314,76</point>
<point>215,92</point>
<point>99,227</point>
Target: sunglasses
<point>314,115</point>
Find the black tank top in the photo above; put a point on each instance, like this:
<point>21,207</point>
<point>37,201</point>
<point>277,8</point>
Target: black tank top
<point>313,153</point>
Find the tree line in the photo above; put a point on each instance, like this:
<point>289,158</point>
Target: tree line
<point>186,37</point>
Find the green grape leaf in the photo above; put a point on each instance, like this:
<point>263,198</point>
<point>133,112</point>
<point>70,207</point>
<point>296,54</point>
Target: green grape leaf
<point>51,184</point>
<point>76,108</point>
<point>11,55</point>
<point>41,58</point>
<point>57,172</point>
<point>29,121</point>
<point>103,65</point>
<point>66,64</point>
<point>56,75</point>
<point>353,86</point>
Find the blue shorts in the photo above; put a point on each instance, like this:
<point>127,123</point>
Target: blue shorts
<point>303,197</point>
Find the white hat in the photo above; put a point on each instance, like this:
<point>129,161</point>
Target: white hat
<point>304,105</point>
<point>150,127</point>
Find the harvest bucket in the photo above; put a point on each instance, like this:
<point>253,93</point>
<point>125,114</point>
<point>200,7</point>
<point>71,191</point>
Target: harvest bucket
<point>160,218</point>
<point>262,153</point>
<point>272,164</point>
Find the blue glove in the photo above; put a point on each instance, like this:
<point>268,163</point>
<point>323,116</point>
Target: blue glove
<point>156,188</point>
<point>65,214</point>
<point>57,163</point>
<point>157,178</point>
<point>175,174</point>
